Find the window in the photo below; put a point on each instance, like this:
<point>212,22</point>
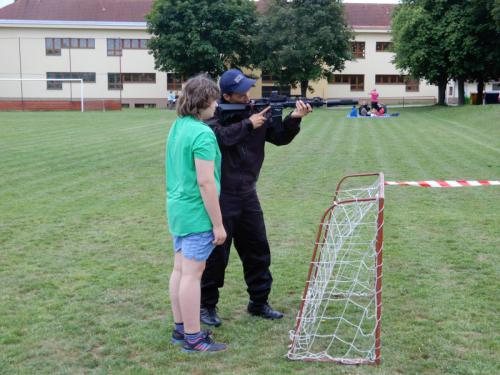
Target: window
<point>57,85</point>
<point>395,79</point>
<point>144,105</point>
<point>357,81</point>
<point>495,86</point>
<point>412,85</point>
<point>174,81</point>
<point>383,47</point>
<point>139,77</point>
<point>53,46</point>
<point>116,81</point>
<point>358,50</point>
<point>54,85</point>
<point>390,79</point>
<point>267,91</point>
<point>114,47</point>
<point>267,78</point>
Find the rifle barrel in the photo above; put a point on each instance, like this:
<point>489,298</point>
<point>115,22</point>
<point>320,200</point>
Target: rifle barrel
<point>286,103</point>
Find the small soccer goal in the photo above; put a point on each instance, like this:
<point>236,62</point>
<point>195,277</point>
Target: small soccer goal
<point>42,94</point>
<point>340,311</point>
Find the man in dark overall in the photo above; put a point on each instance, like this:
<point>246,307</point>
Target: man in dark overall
<point>242,137</point>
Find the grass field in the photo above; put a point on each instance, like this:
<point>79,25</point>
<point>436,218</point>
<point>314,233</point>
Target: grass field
<point>85,254</point>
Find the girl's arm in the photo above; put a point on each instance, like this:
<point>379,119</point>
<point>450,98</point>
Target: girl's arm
<point>208,189</point>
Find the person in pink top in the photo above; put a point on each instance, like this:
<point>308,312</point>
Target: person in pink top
<point>374,99</point>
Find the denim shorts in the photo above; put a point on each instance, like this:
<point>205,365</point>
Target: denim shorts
<point>197,246</point>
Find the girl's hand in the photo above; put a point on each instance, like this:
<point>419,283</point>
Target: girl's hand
<point>219,235</point>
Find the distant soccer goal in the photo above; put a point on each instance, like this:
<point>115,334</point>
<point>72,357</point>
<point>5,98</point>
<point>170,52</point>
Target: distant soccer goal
<point>340,312</point>
<point>41,94</point>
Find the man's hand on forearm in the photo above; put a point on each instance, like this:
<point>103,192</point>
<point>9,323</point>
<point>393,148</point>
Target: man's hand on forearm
<point>301,109</point>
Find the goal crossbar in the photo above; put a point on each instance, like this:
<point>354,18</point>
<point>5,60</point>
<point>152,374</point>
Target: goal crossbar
<point>80,80</point>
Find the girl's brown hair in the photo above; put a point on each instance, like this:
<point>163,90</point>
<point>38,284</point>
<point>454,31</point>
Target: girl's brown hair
<point>198,93</point>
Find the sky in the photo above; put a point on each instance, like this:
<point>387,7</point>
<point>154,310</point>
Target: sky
<point>5,2</point>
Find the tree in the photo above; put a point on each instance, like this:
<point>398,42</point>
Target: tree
<point>445,39</point>
<point>496,13</point>
<point>473,40</point>
<point>193,36</point>
<point>418,33</point>
<point>302,40</point>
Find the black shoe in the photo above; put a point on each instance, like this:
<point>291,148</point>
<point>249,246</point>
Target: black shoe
<point>208,315</point>
<point>264,311</point>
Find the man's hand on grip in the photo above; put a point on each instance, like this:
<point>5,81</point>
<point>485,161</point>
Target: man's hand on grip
<point>258,119</point>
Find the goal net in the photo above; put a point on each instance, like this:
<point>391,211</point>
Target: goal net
<point>41,94</point>
<point>340,310</point>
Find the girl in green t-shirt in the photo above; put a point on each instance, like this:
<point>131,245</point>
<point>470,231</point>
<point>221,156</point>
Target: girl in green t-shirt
<point>194,215</point>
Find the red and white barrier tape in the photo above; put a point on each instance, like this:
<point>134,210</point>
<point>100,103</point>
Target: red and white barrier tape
<point>445,184</point>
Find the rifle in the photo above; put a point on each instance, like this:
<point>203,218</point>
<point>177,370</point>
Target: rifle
<point>277,103</point>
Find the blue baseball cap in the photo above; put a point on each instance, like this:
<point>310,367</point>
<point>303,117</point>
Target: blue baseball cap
<point>235,81</point>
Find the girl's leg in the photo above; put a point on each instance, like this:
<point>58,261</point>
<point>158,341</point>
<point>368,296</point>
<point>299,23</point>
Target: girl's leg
<point>189,294</point>
<point>175,280</point>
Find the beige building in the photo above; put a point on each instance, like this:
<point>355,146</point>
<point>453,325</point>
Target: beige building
<point>104,43</point>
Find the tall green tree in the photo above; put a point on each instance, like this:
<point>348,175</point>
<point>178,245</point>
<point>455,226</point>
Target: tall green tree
<point>496,13</point>
<point>193,36</point>
<point>448,39</point>
<point>303,40</point>
<point>418,33</point>
<point>473,40</point>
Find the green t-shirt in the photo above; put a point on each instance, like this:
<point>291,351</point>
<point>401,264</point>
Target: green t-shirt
<point>189,138</point>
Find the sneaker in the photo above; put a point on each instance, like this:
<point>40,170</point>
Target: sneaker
<point>205,344</point>
<point>264,311</point>
<point>208,316</point>
<point>177,337</point>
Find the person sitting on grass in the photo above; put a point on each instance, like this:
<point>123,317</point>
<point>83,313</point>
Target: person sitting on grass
<point>364,109</point>
<point>354,112</point>
<point>193,162</point>
<point>377,113</point>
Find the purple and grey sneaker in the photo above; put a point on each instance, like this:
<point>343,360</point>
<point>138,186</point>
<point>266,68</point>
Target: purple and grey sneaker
<point>204,343</point>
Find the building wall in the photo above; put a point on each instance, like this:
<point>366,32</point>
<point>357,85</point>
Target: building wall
<point>23,49</point>
<point>376,63</point>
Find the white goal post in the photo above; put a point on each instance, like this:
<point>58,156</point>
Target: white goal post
<point>79,80</point>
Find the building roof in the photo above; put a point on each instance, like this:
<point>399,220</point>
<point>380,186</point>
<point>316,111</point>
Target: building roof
<point>362,15</point>
<point>358,15</point>
<point>77,10</point>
